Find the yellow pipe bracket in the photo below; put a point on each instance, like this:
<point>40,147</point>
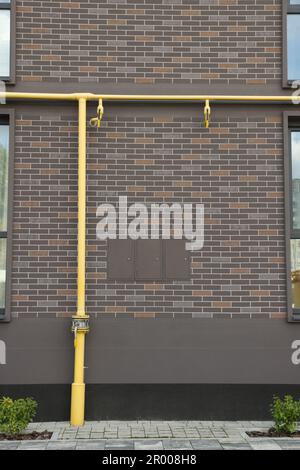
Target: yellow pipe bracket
<point>207,113</point>
<point>96,122</point>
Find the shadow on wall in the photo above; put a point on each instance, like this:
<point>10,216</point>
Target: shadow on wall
<point>156,402</point>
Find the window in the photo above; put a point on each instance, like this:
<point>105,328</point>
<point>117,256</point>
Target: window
<point>4,178</point>
<point>6,193</point>
<point>291,35</point>
<point>294,144</point>
<point>295,162</point>
<point>292,211</point>
<point>295,275</point>
<point>6,32</point>
<point>148,260</point>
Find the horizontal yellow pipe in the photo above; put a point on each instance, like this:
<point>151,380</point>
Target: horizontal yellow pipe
<point>196,98</point>
<point>16,95</point>
<point>12,95</point>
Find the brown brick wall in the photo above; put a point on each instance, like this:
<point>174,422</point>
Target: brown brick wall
<point>151,154</point>
<point>235,168</point>
<point>45,211</point>
<point>150,42</point>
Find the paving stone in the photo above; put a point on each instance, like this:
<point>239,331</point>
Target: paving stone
<point>248,424</point>
<point>264,444</point>
<point>206,444</point>
<point>289,444</point>
<point>30,445</point>
<point>8,445</point>
<point>148,445</point>
<point>230,440</point>
<point>90,445</point>
<point>236,446</point>
<point>59,445</point>
<point>178,444</point>
<point>119,444</point>
<point>262,424</point>
<point>56,435</point>
<point>219,434</point>
<point>179,435</point>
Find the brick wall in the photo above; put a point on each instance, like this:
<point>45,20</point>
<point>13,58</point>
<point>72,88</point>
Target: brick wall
<point>151,153</point>
<point>235,168</point>
<point>150,42</point>
<point>45,214</point>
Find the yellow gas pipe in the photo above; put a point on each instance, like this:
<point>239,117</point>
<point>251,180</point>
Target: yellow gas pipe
<point>16,95</point>
<point>80,324</point>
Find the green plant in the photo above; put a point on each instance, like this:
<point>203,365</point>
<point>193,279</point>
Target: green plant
<point>285,414</point>
<point>15,415</point>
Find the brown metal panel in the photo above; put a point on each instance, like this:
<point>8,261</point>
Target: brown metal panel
<point>120,260</point>
<point>148,260</point>
<point>177,260</point>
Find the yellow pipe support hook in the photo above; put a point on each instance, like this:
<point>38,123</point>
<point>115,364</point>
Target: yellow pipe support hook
<point>207,113</point>
<point>96,122</point>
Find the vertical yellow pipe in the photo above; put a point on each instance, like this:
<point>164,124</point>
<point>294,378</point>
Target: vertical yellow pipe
<point>80,329</point>
<point>81,206</point>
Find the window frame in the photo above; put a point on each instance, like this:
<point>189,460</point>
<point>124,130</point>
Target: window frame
<point>12,46</point>
<point>291,122</point>
<point>7,116</point>
<point>287,9</point>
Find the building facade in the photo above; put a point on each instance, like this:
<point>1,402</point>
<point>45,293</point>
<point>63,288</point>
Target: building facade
<point>215,334</point>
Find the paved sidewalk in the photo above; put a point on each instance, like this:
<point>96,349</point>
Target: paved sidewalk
<point>155,435</point>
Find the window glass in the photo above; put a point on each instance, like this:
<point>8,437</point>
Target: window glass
<point>295,274</point>
<point>295,150</point>
<point>4,137</point>
<point>2,272</point>
<point>4,142</point>
<point>294,2</point>
<point>4,43</point>
<point>293,40</point>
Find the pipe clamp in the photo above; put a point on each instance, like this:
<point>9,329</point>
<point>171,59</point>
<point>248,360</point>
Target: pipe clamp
<point>80,324</point>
